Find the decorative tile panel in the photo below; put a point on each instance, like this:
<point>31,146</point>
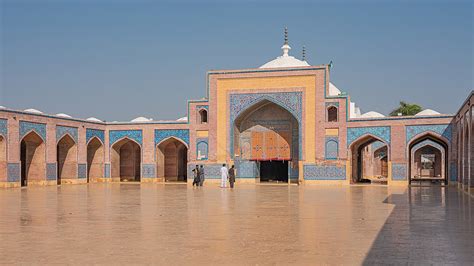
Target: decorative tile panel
<point>90,133</point>
<point>51,171</point>
<point>162,134</point>
<point>81,170</point>
<point>443,130</point>
<point>399,171</point>
<point>453,172</point>
<point>4,127</point>
<point>62,130</point>
<point>26,127</point>
<point>202,148</point>
<point>332,104</point>
<point>332,148</point>
<point>353,133</point>
<point>148,170</point>
<point>377,144</point>
<point>211,171</point>
<point>324,172</point>
<point>202,107</point>
<point>13,172</point>
<point>246,169</point>
<point>135,135</point>
<point>427,142</point>
<point>107,170</point>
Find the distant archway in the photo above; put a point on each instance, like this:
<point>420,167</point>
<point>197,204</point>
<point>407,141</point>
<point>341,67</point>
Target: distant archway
<point>33,159</point>
<point>95,160</point>
<point>428,158</point>
<point>172,160</point>
<point>126,160</point>
<point>3,159</point>
<point>66,158</point>
<point>365,168</point>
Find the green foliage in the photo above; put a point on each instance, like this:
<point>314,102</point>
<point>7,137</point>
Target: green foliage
<point>406,109</point>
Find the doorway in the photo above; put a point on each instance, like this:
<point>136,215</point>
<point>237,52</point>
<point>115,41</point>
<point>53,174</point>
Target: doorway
<point>274,171</point>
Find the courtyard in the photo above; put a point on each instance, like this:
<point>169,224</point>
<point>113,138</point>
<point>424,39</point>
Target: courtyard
<point>262,224</point>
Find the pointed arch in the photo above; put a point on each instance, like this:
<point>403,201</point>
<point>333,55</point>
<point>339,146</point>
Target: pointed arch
<point>33,158</point>
<point>3,158</point>
<point>95,159</point>
<point>171,159</point>
<point>66,158</point>
<point>203,116</point>
<point>126,158</point>
<point>428,158</point>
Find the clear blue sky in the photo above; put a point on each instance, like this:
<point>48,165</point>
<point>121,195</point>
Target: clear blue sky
<point>117,60</point>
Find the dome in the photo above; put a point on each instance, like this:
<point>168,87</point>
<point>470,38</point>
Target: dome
<point>182,119</point>
<point>2,107</point>
<point>93,119</point>
<point>141,119</point>
<point>333,90</point>
<point>372,114</point>
<point>63,115</point>
<point>427,112</point>
<point>31,110</point>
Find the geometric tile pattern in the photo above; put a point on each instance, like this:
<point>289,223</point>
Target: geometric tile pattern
<point>115,135</point>
<point>26,127</point>
<point>51,171</point>
<point>324,172</point>
<point>62,130</point>
<point>90,133</point>
<point>107,170</point>
<point>148,171</point>
<point>3,127</point>
<point>181,134</point>
<point>81,170</point>
<point>443,130</point>
<point>354,133</point>
<point>399,171</point>
<point>212,171</point>
<point>246,169</point>
<point>13,172</point>
<point>332,148</point>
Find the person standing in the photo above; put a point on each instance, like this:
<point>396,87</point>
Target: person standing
<point>232,176</point>
<point>196,176</point>
<point>224,176</point>
<point>202,177</point>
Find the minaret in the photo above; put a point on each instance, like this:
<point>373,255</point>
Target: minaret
<point>286,48</point>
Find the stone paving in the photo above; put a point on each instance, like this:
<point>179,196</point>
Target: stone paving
<point>263,224</point>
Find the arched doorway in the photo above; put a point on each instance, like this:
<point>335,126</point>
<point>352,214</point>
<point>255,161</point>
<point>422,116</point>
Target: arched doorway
<point>95,159</point>
<point>428,159</point>
<point>125,157</point>
<point>3,159</point>
<point>266,138</point>
<point>369,159</point>
<point>172,160</point>
<point>66,159</point>
<point>33,159</point>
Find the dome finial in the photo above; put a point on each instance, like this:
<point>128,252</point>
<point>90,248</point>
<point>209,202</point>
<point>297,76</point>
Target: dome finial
<point>304,53</point>
<point>286,35</point>
<point>286,48</point>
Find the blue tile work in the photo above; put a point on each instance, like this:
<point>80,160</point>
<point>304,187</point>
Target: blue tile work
<point>13,172</point>
<point>332,148</point>
<point>399,171</point>
<point>107,170</point>
<point>293,173</point>
<point>443,130</point>
<point>377,144</point>
<point>90,133</point>
<point>246,169</point>
<point>332,104</point>
<point>162,134</point>
<point>62,130</point>
<point>4,127</point>
<point>453,172</point>
<point>211,171</point>
<point>51,171</point>
<point>26,127</point>
<point>324,172</point>
<point>291,101</point>
<point>353,133</point>
<point>81,170</point>
<point>135,135</point>
<point>202,107</point>
<point>202,149</point>
<point>427,142</point>
<point>148,171</point>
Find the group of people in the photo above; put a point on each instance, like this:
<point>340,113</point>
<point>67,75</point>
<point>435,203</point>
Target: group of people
<point>226,175</point>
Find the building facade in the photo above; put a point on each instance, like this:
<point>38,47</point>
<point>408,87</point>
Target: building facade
<point>283,122</point>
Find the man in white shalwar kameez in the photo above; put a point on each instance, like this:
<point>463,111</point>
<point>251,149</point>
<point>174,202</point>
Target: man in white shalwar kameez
<point>224,176</point>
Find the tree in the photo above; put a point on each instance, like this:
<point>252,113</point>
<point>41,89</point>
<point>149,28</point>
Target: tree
<point>406,109</point>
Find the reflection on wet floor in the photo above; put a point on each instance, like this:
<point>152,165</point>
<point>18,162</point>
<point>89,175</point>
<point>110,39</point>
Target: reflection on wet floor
<point>113,223</point>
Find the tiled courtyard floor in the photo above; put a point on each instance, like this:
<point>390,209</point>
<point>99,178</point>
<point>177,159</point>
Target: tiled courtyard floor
<point>176,224</point>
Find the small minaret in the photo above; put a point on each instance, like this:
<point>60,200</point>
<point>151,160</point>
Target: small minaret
<point>286,48</point>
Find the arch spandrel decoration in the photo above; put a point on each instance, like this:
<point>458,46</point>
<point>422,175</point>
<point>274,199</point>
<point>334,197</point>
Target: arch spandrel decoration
<point>3,127</point>
<point>135,135</point>
<point>442,130</point>
<point>26,127</point>
<point>90,133</point>
<point>290,101</point>
<point>353,133</point>
<point>63,130</point>
<point>162,134</point>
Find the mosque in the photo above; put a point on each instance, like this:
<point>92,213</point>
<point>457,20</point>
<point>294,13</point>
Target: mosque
<point>283,122</point>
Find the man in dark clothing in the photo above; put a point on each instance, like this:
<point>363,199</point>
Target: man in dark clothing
<point>196,176</point>
<point>202,177</point>
<point>232,176</point>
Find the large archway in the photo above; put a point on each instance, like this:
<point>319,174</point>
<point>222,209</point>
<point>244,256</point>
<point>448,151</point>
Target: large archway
<point>266,137</point>
<point>125,157</point>
<point>66,159</point>
<point>428,159</point>
<point>369,160</point>
<point>3,159</point>
<point>33,159</point>
<point>95,160</point>
<point>172,160</point>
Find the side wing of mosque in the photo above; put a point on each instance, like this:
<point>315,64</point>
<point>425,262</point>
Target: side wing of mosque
<point>283,122</point>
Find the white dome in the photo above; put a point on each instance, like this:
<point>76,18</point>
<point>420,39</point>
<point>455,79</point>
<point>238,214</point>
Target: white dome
<point>63,115</point>
<point>2,107</point>
<point>31,110</point>
<point>182,119</point>
<point>285,61</point>
<point>93,119</point>
<point>371,114</point>
<point>427,112</point>
<point>333,90</point>
<point>141,119</point>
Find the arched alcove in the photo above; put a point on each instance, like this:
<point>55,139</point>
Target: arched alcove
<point>33,158</point>
<point>95,160</point>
